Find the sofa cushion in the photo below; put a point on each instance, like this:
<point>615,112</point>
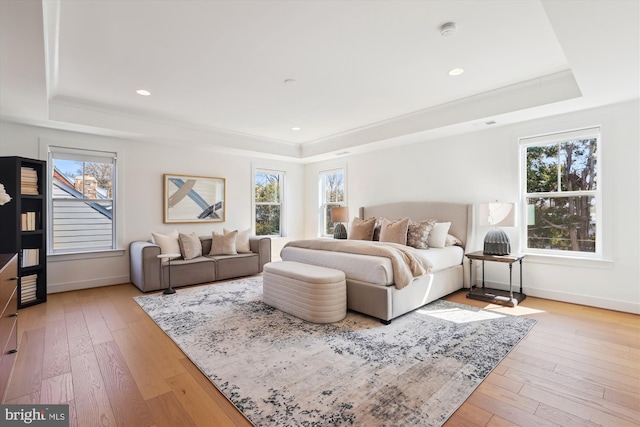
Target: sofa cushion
<point>190,272</point>
<point>242,240</point>
<point>223,244</point>
<point>190,245</point>
<point>168,243</point>
<point>229,266</point>
<point>206,244</point>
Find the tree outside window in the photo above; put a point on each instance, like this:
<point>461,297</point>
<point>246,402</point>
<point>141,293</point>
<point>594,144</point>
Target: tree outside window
<point>268,197</point>
<point>333,194</point>
<point>562,195</point>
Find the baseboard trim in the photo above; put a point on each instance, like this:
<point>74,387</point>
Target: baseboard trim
<point>609,304</point>
<point>53,288</point>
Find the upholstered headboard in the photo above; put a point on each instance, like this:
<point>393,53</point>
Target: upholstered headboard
<point>460,215</point>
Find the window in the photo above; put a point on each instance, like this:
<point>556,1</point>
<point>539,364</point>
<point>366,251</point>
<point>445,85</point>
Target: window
<point>82,203</point>
<point>332,193</point>
<point>561,186</point>
<point>268,201</point>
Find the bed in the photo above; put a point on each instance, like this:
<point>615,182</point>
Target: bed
<point>371,279</point>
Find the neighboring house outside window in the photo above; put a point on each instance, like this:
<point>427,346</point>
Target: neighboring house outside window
<point>268,202</point>
<point>562,197</point>
<point>82,203</point>
<point>332,194</point>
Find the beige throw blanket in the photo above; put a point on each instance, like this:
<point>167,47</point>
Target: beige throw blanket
<point>406,266</point>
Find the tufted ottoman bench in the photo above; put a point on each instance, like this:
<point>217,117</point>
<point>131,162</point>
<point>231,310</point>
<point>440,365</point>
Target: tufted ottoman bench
<point>315,294</point>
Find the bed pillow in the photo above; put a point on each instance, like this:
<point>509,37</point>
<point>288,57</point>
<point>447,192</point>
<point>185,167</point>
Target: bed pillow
<point>190,245</point>
<point>224,244</point>
<point>394,231</point>
<point>242,240</point>
<point>418,233</point>
<point>168,242</point>
<point>452,241</point>
<point>438,235</point>
<point>362,229</point>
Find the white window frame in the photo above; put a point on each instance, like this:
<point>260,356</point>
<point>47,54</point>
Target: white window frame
<point>254,204</point>
<point>86,155</point>
<point>323,204</point>
<point>558,138</point>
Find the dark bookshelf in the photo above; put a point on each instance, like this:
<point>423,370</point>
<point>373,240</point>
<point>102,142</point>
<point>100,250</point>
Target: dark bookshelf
<point>23,222</point>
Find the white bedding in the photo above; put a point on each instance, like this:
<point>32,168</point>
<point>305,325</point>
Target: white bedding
<point>372,269</point>
<point>442,258</point>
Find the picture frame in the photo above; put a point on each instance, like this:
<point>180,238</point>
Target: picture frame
<point>191,198</point>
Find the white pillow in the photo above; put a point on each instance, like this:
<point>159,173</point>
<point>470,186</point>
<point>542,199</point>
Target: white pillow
<point>242,240</point>
<point>168,243</point>
<point>438,235</point>
<point>452,241</point>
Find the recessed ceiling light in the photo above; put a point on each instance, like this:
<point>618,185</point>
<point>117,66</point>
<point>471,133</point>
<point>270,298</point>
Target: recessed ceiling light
<point>456,72</point>
<point>296,128</point>
<point>143,92</point>
<point>290,81</point>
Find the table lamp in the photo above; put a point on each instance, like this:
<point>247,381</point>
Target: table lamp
<point>339,214</point>
<point>497,242</point>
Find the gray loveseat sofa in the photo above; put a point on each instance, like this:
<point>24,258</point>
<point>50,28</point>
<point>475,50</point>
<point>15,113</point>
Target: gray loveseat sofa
<point>145,265</point>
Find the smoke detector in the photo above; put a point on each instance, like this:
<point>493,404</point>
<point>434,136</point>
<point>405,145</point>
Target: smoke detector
<point>448,29</point>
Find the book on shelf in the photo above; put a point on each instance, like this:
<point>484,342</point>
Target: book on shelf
<point>29,181</point>
<point>28,288</point>
<point>30,257</point>
<point>28,221</point>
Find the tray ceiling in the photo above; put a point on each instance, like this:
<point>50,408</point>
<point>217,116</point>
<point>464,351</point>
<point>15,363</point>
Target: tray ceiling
<point>245,74</point>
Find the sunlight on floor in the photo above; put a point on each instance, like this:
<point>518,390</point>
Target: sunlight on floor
<point>513,311</point>
<point>459,315</point>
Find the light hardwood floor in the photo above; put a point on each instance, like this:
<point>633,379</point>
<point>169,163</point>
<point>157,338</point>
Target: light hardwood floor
<point>98,351</point>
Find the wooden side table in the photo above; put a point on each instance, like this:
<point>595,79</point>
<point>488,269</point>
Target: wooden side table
<point>496,296</point>
<point>169,289</point>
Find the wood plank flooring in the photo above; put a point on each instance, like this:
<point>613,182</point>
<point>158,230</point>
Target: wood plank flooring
<point>98,351</point>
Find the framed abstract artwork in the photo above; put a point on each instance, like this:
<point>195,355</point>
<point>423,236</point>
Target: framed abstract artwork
<point>194,199</point>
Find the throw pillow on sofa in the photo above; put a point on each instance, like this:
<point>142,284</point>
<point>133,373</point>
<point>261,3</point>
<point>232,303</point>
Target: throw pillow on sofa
<point>190,245</point>
<point>224,244</point>
<point>242,240</point>
<point>168,243</point>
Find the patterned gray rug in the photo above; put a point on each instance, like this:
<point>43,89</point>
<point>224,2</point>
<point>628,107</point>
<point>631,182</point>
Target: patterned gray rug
<point>279,370</point>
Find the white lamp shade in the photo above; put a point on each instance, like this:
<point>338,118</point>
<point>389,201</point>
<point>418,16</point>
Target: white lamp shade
<point>339,214</point>
<point>497,214</point>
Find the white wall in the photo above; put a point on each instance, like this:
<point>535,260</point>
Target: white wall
<point>141,192</point>
<point>483,166</point>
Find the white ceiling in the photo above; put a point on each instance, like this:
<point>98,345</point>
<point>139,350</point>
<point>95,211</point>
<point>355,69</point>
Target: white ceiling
<point>367,73</point>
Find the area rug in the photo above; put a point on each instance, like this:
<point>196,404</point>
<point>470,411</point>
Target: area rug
<point>279,370</point>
